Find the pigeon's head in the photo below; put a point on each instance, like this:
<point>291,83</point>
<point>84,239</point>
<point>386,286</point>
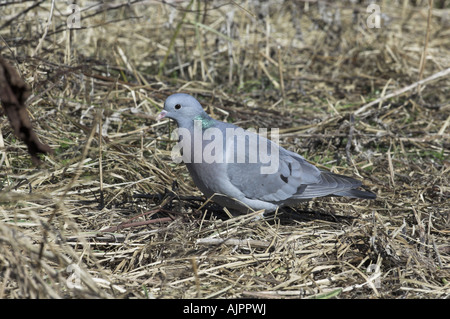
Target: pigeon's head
<point>182,108</point>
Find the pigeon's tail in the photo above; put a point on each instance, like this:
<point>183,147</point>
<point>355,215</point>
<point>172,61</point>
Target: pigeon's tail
<point>356,193</point>
<point>351,190</point>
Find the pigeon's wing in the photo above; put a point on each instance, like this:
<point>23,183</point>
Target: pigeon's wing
<point>272,178</point>
<point>294,178</point>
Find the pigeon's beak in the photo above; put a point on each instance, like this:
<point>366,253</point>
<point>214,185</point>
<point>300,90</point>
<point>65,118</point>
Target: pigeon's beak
<point>161,115</point>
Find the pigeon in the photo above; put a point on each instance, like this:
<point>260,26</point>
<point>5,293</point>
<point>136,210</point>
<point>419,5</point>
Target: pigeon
<point>230,165</point>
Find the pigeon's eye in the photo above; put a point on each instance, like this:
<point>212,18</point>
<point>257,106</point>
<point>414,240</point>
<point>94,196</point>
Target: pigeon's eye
<point>177,107</point>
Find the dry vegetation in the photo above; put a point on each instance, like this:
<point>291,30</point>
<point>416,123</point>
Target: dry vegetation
<point>108,215</point>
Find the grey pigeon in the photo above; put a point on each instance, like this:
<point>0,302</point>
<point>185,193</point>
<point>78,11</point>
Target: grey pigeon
<point>235,179</point>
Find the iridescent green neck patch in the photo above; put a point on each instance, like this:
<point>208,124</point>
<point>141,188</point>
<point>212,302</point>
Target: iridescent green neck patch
<point>207,122</point>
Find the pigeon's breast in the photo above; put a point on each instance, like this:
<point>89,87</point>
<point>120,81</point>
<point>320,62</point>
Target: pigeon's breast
<point>212,178</point>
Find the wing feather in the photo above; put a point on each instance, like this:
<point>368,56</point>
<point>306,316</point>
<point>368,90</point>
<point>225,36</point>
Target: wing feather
<point>291,174</point>
<point>294,179</point>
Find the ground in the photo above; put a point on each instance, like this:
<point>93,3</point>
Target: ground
<point>109,215</point>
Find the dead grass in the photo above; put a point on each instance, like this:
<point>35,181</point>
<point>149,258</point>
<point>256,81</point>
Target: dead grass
<point>303,67</point>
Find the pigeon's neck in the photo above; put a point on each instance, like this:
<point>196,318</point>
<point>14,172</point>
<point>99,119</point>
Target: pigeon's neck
<point>206,120</point>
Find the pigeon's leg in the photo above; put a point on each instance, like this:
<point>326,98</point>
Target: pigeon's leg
<point>259,215</point>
